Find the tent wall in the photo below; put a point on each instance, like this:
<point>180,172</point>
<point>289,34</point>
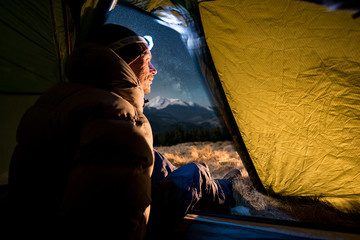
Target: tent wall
<point>290,71</point>
<point>31,45</point>
<point>32,50</point>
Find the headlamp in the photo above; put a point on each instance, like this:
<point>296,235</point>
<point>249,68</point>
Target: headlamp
<point>131,40</point>
<point>149,41</point>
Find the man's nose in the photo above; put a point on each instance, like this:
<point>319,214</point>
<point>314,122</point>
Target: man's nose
<point>152,69</point>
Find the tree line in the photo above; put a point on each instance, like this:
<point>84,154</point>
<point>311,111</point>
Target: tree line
<point>200,134</point>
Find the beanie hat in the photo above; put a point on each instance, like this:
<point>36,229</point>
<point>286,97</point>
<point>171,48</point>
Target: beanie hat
<point>123,41</point>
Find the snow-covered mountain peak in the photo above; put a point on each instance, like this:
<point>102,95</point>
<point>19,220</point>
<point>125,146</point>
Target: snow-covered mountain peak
<point>161,103</point>
<point>165,114</point>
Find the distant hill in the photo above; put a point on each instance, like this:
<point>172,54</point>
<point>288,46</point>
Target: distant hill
<point>165,114</point>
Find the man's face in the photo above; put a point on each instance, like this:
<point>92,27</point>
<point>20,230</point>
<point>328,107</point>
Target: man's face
<point>144,71</point>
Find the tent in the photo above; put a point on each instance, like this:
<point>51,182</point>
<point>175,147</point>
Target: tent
<point>284,73</point>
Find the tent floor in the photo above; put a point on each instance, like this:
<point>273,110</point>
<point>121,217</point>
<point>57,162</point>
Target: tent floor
<point>199,227</point>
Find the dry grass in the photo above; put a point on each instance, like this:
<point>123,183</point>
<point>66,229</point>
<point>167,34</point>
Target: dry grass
<point>221,157</point>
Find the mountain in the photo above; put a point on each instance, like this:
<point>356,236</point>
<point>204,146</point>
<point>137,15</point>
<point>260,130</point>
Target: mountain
<point>165,114</point>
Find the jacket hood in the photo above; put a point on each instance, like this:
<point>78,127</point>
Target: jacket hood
<point>98,66</point>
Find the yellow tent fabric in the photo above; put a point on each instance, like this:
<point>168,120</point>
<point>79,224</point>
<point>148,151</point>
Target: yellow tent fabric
<point>291,74</point>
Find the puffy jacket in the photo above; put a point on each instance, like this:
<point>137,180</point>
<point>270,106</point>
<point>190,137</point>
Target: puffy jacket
<point>85,148</point>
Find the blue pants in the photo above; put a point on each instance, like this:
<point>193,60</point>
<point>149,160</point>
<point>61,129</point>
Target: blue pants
<point>175,191</point>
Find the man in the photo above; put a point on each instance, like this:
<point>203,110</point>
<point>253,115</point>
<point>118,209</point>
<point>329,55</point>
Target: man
<point>85,149</point>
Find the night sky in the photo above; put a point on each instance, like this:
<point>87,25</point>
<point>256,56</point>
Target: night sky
<point>177,77</point>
